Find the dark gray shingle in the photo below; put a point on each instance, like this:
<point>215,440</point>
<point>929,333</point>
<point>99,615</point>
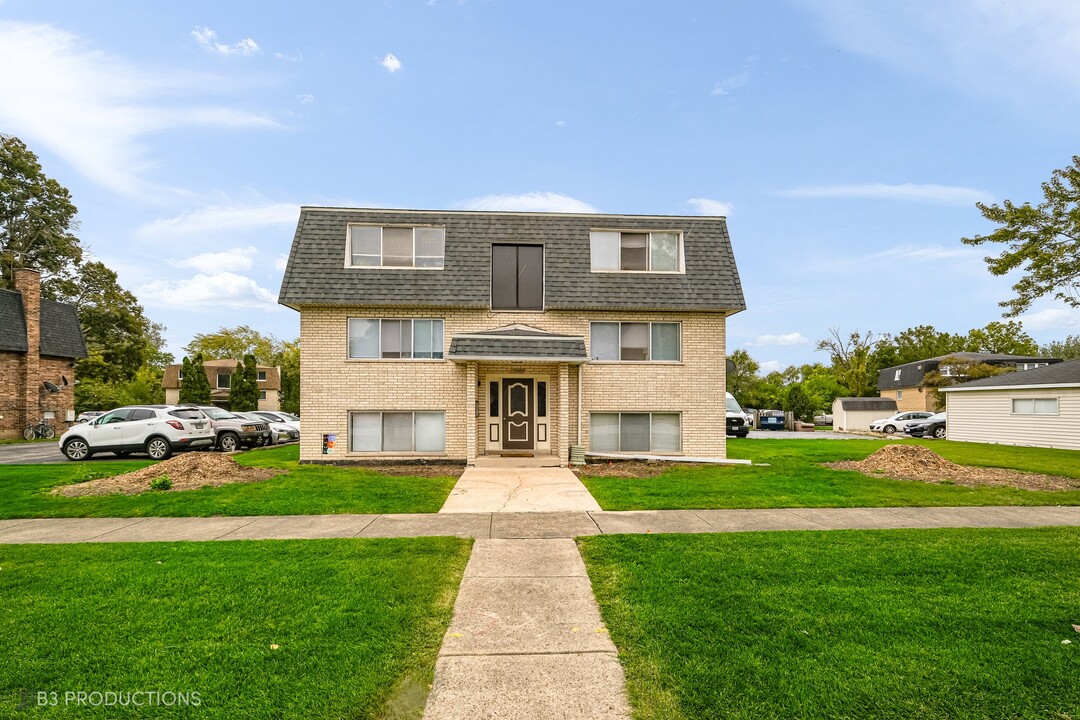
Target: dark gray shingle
<point>316,272</point>
<point>1062,373</point>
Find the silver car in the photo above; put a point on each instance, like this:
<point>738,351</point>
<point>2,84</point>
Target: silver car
<point>899,421</point>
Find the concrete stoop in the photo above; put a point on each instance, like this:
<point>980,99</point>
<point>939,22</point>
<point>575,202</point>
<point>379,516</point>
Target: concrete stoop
<point>526,641</point>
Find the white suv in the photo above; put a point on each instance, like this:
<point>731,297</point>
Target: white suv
<point>157,430</point>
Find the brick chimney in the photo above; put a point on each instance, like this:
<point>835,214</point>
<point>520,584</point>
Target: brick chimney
<point>28,283</point>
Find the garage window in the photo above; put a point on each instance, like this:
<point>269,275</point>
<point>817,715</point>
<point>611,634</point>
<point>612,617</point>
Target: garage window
<point>1035,406</point>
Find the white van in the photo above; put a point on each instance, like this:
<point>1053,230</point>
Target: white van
<point>738,422</point>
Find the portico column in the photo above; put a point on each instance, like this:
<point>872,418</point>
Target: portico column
<point>470,413</point>
<point>563,445</point>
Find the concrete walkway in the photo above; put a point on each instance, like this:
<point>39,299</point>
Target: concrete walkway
<point>517,489</point>
<point>523,525</point>
<point>526,641</point>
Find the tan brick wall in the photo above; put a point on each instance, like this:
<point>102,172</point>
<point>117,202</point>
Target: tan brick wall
<point>914,399</point>
<point>331,386</point>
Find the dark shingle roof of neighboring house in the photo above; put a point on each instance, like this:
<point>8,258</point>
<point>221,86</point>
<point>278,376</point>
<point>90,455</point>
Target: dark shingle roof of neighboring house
<point>867,403</point>
<point>317,275</point>
<point>1055,375</point>
<point>912,373</point>
<point>517,343</point>
<point>61,335</point>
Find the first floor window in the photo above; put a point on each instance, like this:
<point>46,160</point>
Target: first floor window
<point>397,432</point>
<point>1035,406</point>
<point>635,432</point>
<point>372,338</point>
<point>635,341</point>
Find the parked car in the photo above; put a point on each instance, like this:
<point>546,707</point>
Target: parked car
<point>899,421</point>
<point>932,427</point>
<point>88,415</point>
<point>738,422</point>
<point>281,417</point>
<point>157,430</point>
<point>825,419</point>
<point>279,432</point>
<point>233,432</point>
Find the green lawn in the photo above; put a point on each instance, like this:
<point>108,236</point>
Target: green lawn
<point>303,490</point>
<point>848,624</point>
<point>357,625</point>
<point>795,478</point>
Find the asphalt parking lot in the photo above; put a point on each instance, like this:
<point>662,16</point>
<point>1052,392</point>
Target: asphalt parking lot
<point>34,453</point>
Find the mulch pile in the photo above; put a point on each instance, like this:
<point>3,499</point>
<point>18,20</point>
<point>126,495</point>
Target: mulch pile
<point>915,462</point>
<point>188,471</point>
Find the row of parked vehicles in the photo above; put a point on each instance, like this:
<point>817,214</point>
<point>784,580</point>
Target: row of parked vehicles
<point>161,430</point>
<point>917,424</point>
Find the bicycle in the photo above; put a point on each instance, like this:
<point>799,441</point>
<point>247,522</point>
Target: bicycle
<point>40,429</point>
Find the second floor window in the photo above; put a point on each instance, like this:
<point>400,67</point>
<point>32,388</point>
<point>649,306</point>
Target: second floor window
<point>517,277</point>
<point>635,341</point>
<point>396,247</point>
<point>635,251</point>
<point>375,338</point>
<point>224,381</point>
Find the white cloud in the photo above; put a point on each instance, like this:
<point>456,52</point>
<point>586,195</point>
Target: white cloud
<point>1024,52</point>
<point>736,81</point>
<point>217,219</point>
<point>933,252</point>
<point>94,110</point>
<point>770,366</point>
<point>529,202</point>
<point>788,339</point>
<point>281,262</point>
<point>207,38</point>
<point>913,192</point>
<point>298,57</point>
<point>391,63</point>
<point>560,123</point>
<point>240,258</point>
<point>705,206</point>
<point>207,291</point>
<point>1052,319</point>
<point>305,99</point>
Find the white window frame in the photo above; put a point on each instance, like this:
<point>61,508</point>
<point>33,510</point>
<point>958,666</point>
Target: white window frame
<point>441,349</point>
<point>381,413</point>
<point>681,261</point>
<point>381,266</point>
<point>1034,401</point>
<point>620,323</point>
<point>641,412</point>
<point>260,376</point>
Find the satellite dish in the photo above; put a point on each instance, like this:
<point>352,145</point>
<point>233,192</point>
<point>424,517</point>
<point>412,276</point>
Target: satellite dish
<point>730,366</point>
<point>50,387</point>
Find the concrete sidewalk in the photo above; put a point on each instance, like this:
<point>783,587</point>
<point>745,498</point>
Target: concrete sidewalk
<point>499,490</point>
<point>526,640</point>
<point>523,525</point>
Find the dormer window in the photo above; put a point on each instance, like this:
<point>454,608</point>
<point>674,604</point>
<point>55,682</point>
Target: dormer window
<point>392,246</point>
<point>635,251</point>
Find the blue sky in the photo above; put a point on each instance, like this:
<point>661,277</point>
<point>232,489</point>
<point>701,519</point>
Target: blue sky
<point>847,140</point>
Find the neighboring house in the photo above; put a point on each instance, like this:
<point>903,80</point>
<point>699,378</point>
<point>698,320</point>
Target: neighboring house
<point>856,413</point>
<point>1039,408</point>
<point>40,340</point>
<point>448,335</point>
<point>904,383</point>
<point>220,373</point>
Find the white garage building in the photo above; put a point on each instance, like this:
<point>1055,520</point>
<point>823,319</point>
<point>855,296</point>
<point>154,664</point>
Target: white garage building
<point>1038,408</point>
<point>856,413</point>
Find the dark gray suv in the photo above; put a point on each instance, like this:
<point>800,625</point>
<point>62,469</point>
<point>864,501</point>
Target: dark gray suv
<point>233,432</point>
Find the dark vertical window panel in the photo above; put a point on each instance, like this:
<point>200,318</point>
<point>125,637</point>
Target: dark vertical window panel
<point>530,277</point>
<point>635,251</point>
<point>493,399</point>
<point>504,293</point>
<point>541,399</point>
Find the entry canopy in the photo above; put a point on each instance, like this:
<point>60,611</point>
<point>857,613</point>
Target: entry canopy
<point>517,343</point>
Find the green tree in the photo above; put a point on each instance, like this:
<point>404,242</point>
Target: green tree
<point>187,382</point>
<point>851,361</point>
<point>37,217</point>
<point>289,362</point>
<point>1002,337</point>
<point>200,384</point>
<point>120,339</point>
<point>244,391</point>
<point>956,370</point>
<point>799,404</point>
<point>1043,241</point>
<point>1067,349</point>
<point>144,388</point>
<point>235,343</point>
<point>744,376</point>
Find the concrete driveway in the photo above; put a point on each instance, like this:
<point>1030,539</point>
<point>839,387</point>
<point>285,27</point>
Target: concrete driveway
<point>32,453</point>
